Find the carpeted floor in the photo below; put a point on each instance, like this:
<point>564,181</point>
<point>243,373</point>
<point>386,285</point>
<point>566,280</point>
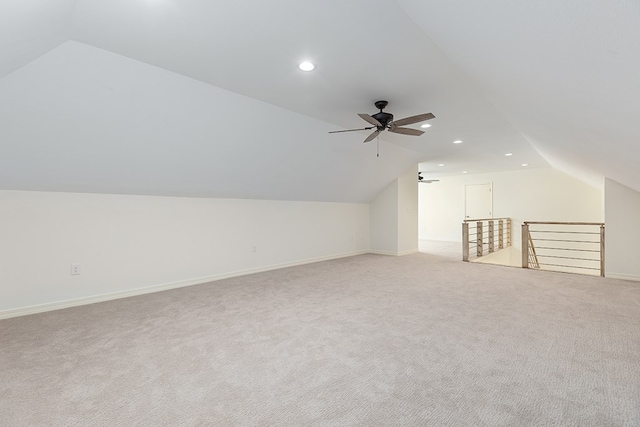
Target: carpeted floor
<point>367,341</point>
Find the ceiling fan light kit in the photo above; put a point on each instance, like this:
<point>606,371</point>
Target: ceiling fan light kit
<point>382,121</point>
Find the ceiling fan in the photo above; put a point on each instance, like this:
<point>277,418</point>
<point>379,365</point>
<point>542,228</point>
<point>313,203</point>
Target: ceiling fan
<point>426,181</point>
<point>382,121</point>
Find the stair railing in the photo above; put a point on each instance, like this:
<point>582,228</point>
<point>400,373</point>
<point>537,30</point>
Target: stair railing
<point>575,247</point>
<point>484,236</point>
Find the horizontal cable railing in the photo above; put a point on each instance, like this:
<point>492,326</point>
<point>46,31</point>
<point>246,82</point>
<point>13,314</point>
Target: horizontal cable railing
<point>573,247</point>
<point>485,235</point>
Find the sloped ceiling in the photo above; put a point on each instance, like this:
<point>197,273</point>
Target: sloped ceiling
<point>31,28</point>
<point>197,98</point>
<point>86,120</point>
<point>564,73</point>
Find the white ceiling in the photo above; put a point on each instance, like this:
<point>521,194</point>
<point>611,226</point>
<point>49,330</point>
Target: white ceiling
<point>200,98</point>
<point>31,28</point>
<point>565,73</point>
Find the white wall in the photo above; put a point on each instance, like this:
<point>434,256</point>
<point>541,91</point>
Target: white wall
<point>128,242</point>
<point>622,233</point>
<point>384,221</point>
<point>408,212</point>
<point>394,216</point>
<point>527,195</point>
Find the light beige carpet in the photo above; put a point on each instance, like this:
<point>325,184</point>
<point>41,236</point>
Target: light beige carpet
<point>367,341</point>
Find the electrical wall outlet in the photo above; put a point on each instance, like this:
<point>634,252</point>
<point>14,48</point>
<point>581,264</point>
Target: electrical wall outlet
<point>75,269</point>
<point>254,248</point>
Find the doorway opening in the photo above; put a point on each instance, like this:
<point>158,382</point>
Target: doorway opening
<point>443,206</point>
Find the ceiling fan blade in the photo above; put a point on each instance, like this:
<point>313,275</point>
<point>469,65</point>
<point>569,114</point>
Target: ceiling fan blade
<point>372,136</point>
<point>351,130</point>
<point>370,119</point>
<point>414,119</point>
<point>406,131</point>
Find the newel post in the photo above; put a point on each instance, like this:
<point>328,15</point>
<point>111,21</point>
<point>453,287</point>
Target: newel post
<point>465,241</point>
<point>525,245</point>
<point>491,236</point>
<point>602,250</point>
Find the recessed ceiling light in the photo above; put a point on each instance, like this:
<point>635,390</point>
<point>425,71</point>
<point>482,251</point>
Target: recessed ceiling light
<point>525,164</point>
<point>440,164</point>
<point>426,125</point>
<point>457,141</point>
<point>307,66</point>
<point>509,154</point>
<point>464,171</point>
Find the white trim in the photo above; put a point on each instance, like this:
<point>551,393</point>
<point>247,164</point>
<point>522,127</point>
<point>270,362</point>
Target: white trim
<point>390,253</point>
<point>58,305</point>
<point>408,252</point>
<point>622,276</point>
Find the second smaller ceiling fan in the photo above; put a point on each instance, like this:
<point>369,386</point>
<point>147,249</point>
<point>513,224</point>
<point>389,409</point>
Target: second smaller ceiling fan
<point>384,121</point>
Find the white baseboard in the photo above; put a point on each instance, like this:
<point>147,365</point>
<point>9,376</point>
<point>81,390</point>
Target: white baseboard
<point>623,276</point>
<point>408,252</point>
<point>383,252</point>
<point>58,305</point>
<point>390,253</point>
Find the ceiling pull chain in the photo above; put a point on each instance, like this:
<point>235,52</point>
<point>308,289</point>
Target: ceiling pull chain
<point>378,145</point>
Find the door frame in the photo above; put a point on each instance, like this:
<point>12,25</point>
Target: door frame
<point>490,184</point>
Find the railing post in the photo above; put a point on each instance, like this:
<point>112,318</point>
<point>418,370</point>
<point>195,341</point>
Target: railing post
<point>479,243</point>
<point>602,250</point>
<point>465,241</point>
<point>508,232</point>
<point>525,245</point>
<point>500,234</point>
<point>491,236</point>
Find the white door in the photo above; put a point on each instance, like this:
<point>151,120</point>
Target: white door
<point>478,201</point>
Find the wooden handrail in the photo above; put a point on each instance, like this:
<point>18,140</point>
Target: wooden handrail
<point>563,223</point>
<point>484,219</point>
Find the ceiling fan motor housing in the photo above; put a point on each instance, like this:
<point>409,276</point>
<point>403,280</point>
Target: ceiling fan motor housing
<point>382,117</point>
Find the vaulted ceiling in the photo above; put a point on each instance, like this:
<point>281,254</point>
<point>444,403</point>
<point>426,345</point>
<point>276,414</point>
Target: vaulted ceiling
<point>201,98</point>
